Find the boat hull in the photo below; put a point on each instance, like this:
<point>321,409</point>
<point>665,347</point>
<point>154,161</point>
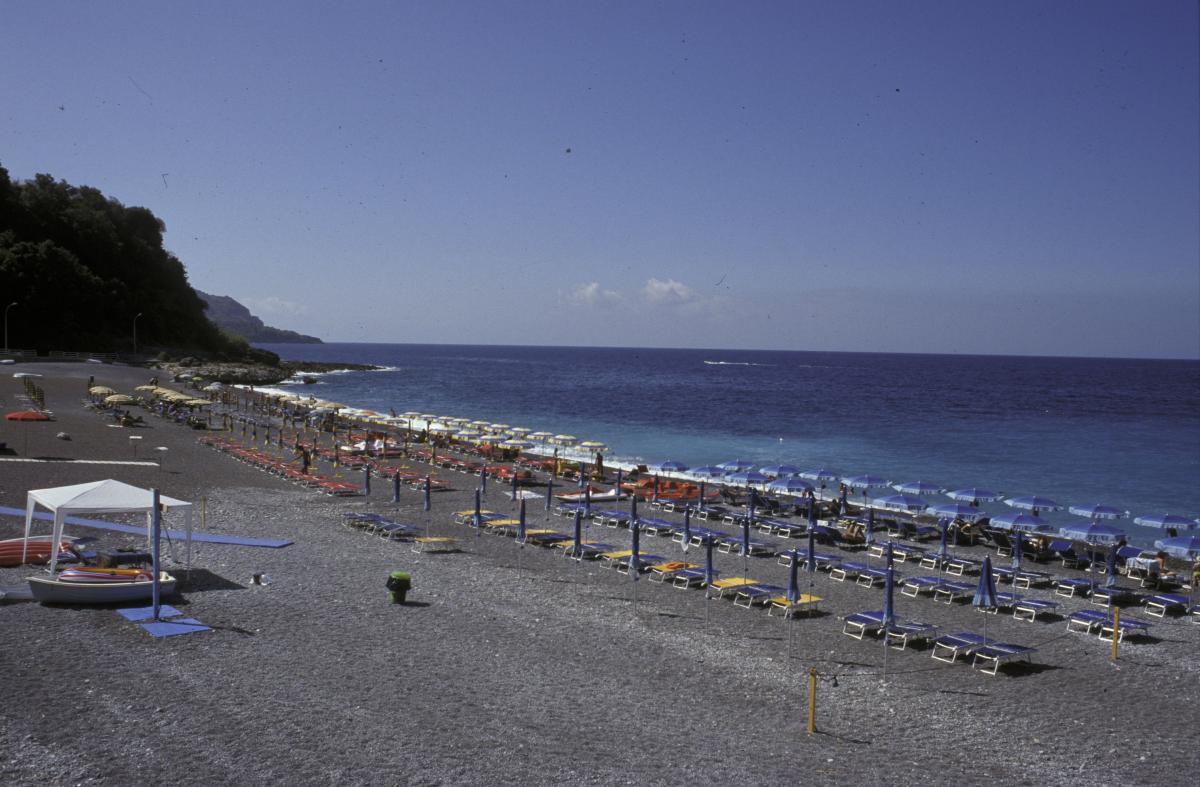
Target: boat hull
<point>38,552</point>
<point>54,591</point>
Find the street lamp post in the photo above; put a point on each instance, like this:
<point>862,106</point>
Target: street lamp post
<point>6,308</point>
<point>135,319</point>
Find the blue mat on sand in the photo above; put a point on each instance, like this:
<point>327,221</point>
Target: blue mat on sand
<point>206,538</point>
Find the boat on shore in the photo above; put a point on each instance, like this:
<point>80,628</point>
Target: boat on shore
<point>38,552</point>
<point>596,495</point>
<point>99,586</point>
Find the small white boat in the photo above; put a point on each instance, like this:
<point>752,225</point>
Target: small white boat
<point>597,494</point>
<point>57,591</point>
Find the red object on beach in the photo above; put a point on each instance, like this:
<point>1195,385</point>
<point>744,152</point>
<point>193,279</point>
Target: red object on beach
<point>27,415</point>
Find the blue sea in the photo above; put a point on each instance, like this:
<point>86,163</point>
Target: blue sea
<point>1120,432</point>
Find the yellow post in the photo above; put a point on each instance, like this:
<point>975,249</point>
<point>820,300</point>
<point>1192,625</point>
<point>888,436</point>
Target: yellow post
<point>812,700</point>
<point>1116,634</point>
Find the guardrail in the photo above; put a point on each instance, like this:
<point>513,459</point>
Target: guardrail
<point>72,355</point>
<point>18,353</point>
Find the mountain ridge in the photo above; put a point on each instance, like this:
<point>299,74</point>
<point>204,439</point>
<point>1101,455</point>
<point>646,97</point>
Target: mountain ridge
<point>230,315</point>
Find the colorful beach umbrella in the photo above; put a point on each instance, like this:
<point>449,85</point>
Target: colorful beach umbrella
<point>593,445</point>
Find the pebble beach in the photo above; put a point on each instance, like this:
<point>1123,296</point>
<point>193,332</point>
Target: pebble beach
<point>512,665</point>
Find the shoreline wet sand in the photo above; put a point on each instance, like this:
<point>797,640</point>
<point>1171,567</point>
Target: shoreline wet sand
<point>513,665</point>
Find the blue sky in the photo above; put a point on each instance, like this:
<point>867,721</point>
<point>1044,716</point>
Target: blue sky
<point>984,177</point>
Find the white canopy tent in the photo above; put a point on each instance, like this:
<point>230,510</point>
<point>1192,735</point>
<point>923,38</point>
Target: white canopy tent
<point>100,497</point>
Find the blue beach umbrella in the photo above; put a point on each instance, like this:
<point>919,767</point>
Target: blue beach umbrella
<point>427,504</point>
<point>366,480</point>
<point>746,531</point>
<point>577,549</point>
<point>865,481</point>
<point>746,478</point>
<point>633,514</point>
<point>1110,566</point>
<point>842,502</point>
<point>635,559</point>
<point>550,492</point>
<point>957,511</point>
<point>478,518</point>
<point>1166,521</point>
<point>812,515</point>
<point>582,476</point>
<point>617,487</point>
<point>974,495</point>
<point>514,484</point>
<point>654,493</point>
<point>943,526</point>
<point>790,486</point>
<point>587,500</point>
<point>709,574</point>
<point>985,594</point>
<point>812,551</point>
<point>709,471</point>
<point>1016,521</point>
<point>669,466</point>
<point>1033,503</point>
<point>1097,511</point>
<point>687,527</point>
<point>909,503</point>
<point>521,522</point>
<point>395,487</point>
<point>736,465</point>
<point>1186,547</point>
<point>821,475</point>
<point>869,533</point>
<point>918,488</point>
<point>483,481</point>
<point>1092,532</point>
<point>703,491</point>
<point>793,588</point>
<point>889,613</point>
<point>780,471</point>
<point>1016,555</point>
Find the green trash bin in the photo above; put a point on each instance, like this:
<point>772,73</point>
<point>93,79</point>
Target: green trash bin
<point>399,583</point>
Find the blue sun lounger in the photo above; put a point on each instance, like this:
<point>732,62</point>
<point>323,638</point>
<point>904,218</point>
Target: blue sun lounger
<point>1161,604</point>
<point>395,531</point>
<point>1022,608</point>
<point>989,658</point>
<point>611,518</point>
<point>666,572</point>
<point>874,577</point>
<point>1090,620</point>
<point>545,539</point>
<point>750,595</point>
<point>789,529</point>
<point>900,552</point>
<point>690,578</point>
<point>1106,597</point>
<point>860,624</point>
<point>655,526</point>
<point>732,545</point>
<point>914,586</point>
<point>949,647</point>
<point>1070,587</point>
<point>949,592</point>
<point>902,632</point>
<point>622,564</point>
<point>588,550</point>
<point>824,561</point>
<point>847,569</point>
<point>1194,611</point>
<point>958,566</point>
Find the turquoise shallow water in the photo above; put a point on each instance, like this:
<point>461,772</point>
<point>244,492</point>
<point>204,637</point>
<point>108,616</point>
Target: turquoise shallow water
<point>1080,430</point>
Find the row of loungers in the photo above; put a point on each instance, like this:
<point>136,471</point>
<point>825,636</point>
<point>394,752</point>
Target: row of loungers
<point>382,526</point>
<point>280,467</point>
<point>987,655</point>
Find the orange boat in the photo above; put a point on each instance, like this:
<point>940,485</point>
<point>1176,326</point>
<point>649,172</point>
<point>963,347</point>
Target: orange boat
<point>669,489</point>
<point>11,550</point>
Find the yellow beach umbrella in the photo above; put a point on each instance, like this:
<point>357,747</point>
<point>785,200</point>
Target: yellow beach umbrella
<point>146,387</point>
<point>101,390</point>
<point>119,399</point>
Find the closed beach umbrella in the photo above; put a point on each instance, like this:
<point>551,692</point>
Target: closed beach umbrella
<point>617,486</point>
<point>1092,532</point>
<point>514,484</point>
<point>1110,566</point>
<point>521,521</point>
<point>482,481</point>
<point>870,529</point>
<point>687,527</point>
<point>633,514</point>
<point>478,518</point>
<point>943,526</point>
<point>974,495</point>
<point>654,495</point>
<point>909,503</point>
<point>709,574</point>
<point>842,502</point>
<point>582,476</point>
<point>1016,555</point>
<point>366,480</point>
<point>746,532</point>
<point>1186,547</point>
<point>918,488</point>
<point>985,593</point>
<point>577,549</point>
<point>812,515</point>
<point>812,550</point>
<point>889,581</point>
<point>549,491</point>
<point>1033,503</point>
<point>793,588</point>
<point>703,494</point>
<point>396,487</point>
<point>1166,522</point>
<point>635,532</point>
<point>587,500</point>
<point>427,503</point>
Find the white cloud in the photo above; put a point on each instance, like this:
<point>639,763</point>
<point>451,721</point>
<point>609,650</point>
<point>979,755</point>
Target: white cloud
<point>273,307</point>
<point>668,291</point>
<point>591,293</point>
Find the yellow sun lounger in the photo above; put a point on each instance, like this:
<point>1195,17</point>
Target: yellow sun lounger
<point>666,571</point>
<point>804,604</point>
<point>728,587</point>
<point>435,544</point>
